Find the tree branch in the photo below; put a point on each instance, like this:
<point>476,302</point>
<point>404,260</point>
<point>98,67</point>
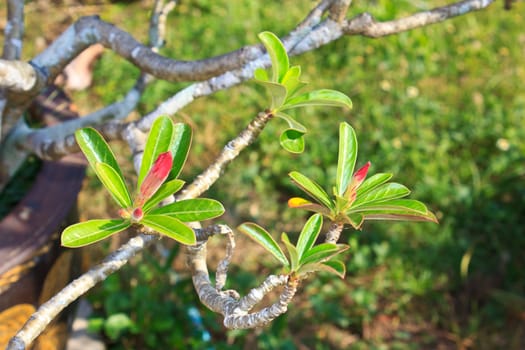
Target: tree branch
<point>334,232</point>
<point>90,30</point>
<point>236,311</point>
<point>365,24</point>
<point>14,30</point>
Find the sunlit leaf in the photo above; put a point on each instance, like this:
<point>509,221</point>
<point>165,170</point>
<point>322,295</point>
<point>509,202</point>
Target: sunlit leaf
<point>291,81</point>
<point>292,123</point>
<point>323,97</point>
<point>277,54</point>
<point>333,266</point>
<point>355,220</point>
<point>292,141</point>
<point>292,252</point>
<point>409,205</point>
<point>171,227</point>
<point>96,149</point>
<point>92,231</point>
<point>337,267</point>
<point>114,184</point>
<point>346,158</point>
<point>398,215</point>
<point>159,141</point>
<point>261,236</point>
<point>167,189</point>
<point>277,92</point>
<point>261,74</point>
<point>382,193</point>
<point>372,182</point>
<point>309,234</point>
<point>311,188</point>
<point>180,146</point>
<point>322,252</point>
<point>188,210</point>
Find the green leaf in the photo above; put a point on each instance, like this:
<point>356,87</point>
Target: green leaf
<point>292,252</point>
<point>400,216</point>
<point>261,74</point>
<point>372,182</point>
<point>382,193</point>
<point>312,189</point>
<point>277,92</point>
<point>277,53</point>
<point>188,210</point>
<point>347,157</point>
<point>92,231</point>
<point>323,97</point>
<point>166,189</point>
<point>292,123</point>
<point>291,81</point>
<point>292,141</point>
<point>333,266</point>
<point>355,219</point>
<point>171,227</point>
<point>309,234</point>
<point>96,149</point>
<point>337,267</point>
<point>159,141</point>
<point>261,236</point>
<point>114,184</point>
<point>180,147</point>
<point>322,252</point>
<point>397,209</point>
<point>395,204</point>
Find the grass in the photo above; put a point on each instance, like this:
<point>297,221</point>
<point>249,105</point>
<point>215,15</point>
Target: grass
<point>441,107</point>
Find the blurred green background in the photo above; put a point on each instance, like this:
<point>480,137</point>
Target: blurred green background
<point>442,107</point>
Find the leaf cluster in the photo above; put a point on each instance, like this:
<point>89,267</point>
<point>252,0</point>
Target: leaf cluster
<point>305,257</point>
<point>284,84</point>
<point>355,199</point>
<point>164,156</point>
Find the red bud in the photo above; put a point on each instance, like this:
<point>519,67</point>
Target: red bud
<point>155,178</point>
<point>357,180</point>
<point>360,175</point>
<point>137,214</point>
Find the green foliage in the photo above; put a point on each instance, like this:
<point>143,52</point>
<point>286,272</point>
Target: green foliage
<point>284,85</point>
<point>305,257</point>
<point>164,156</point>
<point>356,200</point>
<point>441,107</point>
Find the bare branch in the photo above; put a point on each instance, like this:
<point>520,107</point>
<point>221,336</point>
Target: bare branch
<point>242,320</point>
<point>14,30</point>
<point>338,10</point>
<point>222,269</point>
<point>17,76</point>
<point>365,24</point>
<point>90,30</point>
<point>236,312</point>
